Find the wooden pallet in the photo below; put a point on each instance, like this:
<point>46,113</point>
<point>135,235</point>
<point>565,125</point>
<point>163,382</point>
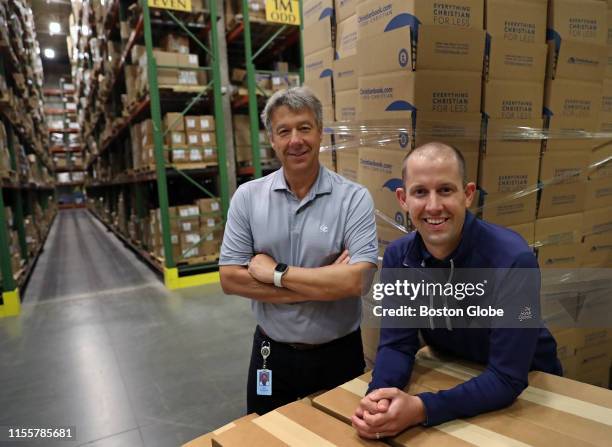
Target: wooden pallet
<point>180,88</point>
<point>188,166</point>
<point>199,260</point>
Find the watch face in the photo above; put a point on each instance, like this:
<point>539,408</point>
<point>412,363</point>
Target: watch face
<point>281,268</point>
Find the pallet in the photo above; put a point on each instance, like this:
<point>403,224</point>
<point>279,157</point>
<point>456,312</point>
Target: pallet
<point>189,166</point>
<point>199,260</point>
<point>180,88</point>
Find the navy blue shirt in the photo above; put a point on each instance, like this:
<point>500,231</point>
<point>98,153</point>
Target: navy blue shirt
<point>508,353</point>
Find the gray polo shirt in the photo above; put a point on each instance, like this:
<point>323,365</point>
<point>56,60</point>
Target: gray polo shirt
<point>266,217</point>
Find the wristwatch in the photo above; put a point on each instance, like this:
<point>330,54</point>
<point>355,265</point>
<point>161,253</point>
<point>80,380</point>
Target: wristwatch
<point>279,271</point>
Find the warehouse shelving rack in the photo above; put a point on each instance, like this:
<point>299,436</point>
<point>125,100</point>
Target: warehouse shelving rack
<point>270,39</point>
<point>20,194</point>
<point>138,186</point>
<point>72,189</point>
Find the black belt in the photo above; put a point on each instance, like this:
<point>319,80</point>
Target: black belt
<point>304,346</point>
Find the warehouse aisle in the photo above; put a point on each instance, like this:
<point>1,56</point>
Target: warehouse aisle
<point>101,345</point>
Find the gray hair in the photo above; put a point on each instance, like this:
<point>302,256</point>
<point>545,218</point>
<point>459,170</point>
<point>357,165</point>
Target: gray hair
<point>296,99</point>
<point>437,148</point>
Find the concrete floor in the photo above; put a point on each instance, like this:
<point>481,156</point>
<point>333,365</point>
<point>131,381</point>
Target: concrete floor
<point>102,346</point>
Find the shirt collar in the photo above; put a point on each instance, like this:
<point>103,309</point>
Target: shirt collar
<point>322,185</point>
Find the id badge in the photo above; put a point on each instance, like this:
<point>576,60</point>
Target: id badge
<point>264,382</point>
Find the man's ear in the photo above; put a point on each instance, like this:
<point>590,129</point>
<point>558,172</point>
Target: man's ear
<point>400,194</point>
<point>470,193</point>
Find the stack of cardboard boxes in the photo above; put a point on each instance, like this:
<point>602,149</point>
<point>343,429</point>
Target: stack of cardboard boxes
<point>242,141</point>
<point>188,139</point>
<point>513,94</point>
<point>195,230</point>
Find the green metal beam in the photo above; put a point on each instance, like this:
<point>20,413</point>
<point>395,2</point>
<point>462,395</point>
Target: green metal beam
<point>160,164</point>
<point>251,85</point>
<point>301,43</point>
<point>219,116</point>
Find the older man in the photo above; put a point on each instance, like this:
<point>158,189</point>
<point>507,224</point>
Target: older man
<point>298,243</point>
<point>436,196</point>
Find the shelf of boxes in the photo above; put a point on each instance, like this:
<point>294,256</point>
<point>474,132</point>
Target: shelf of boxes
<point>27,187</point>
<point>149,91</point>
<point>263,58</point>
<point>486,79</point>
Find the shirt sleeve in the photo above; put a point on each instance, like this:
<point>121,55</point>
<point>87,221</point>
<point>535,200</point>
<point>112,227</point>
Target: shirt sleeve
<point>237,246</point>
<point>360,235</point>
<point>511,352</point>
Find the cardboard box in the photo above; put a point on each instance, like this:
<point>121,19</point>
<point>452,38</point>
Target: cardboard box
<point>510,137</point>
<point>175,43</point>
<point>176,139</point>
<point>576,99</point>
<point>516,21</point>
<point>322,88</point>
<point>396,95</point>
<point>526,230</point>
<point>528,420</point>
<point>292,424</point>
<point>386,234</point>
<point>460,130</point>
<point>206,440</point>
<point>319,36</point>
<point>597,223</point>
<point>347,163</point>
<point>380,171</point>
<point>578,20</point>
<point>173,122</point>
<point>209,154</point>
<point>561,126</point>
<point>345,73</point>
<point>576,60</point>
<point>374,16</point>
<point>506,209</point>
<point>563,185</point>
<point>347,105</point>
<point>179,156</point>
<point>192,123</point>
<point>193,139</point>
<point>435,48</point>
<point>326,158</point>
<point>319,64</point>
<point>559,230</point>
<point>512,99</point>
<point>207,123</point>
<point>315,10</point>
<point>209,206</point>
<point>508,174</point>
<point>515,61</point>
<point>346,37</point>
<point>208,139</point>
<point>599,377</point>
<point>345,8</point>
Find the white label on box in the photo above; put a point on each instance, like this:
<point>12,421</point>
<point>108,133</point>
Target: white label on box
<point>188,77</point>
<point>174,238</point>
<point>210,222</point>
<point>204,124</point>
<point>195,155</point>
<point>192,238</point>
<point>214,206</point>
<point>177,138</point>
<point>193,139</point>
<point>205,138</point>
<point>178,154</point>
<point>276,80</point>
<point>186,226</point>
<point>208,152</point>
<point>209,237</point>
<point>190,253</point>
<point>193,59</point>
<point>191,123</point>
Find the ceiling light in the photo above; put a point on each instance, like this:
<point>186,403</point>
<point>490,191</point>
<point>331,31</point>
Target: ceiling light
<point>55,28</point>
<point>49,53</point>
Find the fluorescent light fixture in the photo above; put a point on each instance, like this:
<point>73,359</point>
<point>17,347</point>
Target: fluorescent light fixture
<point>55,28</point>
<point>49,53</point>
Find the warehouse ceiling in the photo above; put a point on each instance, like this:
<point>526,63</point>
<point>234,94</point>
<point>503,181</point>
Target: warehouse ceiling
<point>45,12</point>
